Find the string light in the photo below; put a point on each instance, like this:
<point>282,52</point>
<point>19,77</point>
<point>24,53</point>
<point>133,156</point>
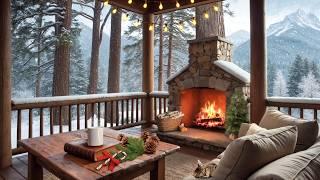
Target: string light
<point>194,21</point>
<point>106,3</point>
<point>165,28</point>
<point>192,1</point>
<point>180,26</point>
<point>160,6</point>
<point>125,17</point>
<point>215,8</point>
<point>114,11</point>
<point>129,1</point>
<point>145,5</point>
<point>177,4</point>
<point>206,15</point>
<point>151,27</point>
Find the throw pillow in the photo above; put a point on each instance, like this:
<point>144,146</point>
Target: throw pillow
<point>245,155</point>
<point>254,128</point>
<point>307,130</point>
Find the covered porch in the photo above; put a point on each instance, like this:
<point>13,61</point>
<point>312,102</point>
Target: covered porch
<point>127,112</point>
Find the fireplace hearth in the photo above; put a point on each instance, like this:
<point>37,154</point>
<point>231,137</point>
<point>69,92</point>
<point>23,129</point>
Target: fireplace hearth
<point>202,90</point>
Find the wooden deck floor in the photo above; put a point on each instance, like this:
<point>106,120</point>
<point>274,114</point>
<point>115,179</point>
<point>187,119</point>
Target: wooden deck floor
<point>19,168</point>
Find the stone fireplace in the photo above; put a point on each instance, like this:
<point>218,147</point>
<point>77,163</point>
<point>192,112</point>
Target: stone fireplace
<point>202,89</point>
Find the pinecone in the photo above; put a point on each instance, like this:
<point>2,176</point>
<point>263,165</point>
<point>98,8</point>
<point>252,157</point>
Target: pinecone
<point>150,146</point>
<point>145,135</point>
<point>154,139</point>
<point>123,139</point>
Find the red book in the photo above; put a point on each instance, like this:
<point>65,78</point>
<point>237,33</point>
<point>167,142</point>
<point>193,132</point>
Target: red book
<point>81,149</point>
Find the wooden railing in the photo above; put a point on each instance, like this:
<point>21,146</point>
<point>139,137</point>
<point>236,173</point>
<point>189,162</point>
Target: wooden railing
<point>33,117</point>
<point>160,100</point>
<point>298,105</point>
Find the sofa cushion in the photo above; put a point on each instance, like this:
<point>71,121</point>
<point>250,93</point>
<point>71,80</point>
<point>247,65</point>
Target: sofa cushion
<point>300,165</point>
<point>254,128</point>
<point>245,155</point>
<point>307,130</point>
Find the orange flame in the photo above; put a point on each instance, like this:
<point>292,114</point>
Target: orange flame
<point>210,111</point>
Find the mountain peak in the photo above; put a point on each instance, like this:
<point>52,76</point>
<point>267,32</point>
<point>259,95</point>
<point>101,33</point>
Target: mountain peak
<point>298,18</point>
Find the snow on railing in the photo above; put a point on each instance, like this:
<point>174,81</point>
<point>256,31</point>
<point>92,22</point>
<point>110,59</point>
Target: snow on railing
<point>294,100</point>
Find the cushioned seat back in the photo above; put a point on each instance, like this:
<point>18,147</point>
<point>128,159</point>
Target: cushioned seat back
<point>307,129</point>
<point>301,165</point>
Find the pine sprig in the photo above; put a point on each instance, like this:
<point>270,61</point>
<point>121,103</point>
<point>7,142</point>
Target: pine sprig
<point>134,148</point>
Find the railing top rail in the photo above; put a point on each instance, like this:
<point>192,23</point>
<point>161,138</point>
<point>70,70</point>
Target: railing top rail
<point>43,102</point>
<point>159,93</point>
<point>295,102</point>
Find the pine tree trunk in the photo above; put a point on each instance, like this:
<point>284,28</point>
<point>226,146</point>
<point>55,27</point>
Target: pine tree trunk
<point>95,49</point>
<point>214,26</point>
<point>170,47</point>
<point>160,75</point>
<point>114,60</point>
<point>39,47</point>
<point>62,57</point>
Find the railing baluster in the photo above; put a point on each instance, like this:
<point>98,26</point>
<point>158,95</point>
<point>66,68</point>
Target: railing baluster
<point>127,111</point>
<point>60,119</point>
<point>141,110</point>
<point>86,116</point>
<point>70,117</point>
<point>92,114</point>
<point>279,108</point>
<point>289,110</point>
<point>51,120</point>
<point>18,126</point>
<point>105,114</point>
<point>111,112</point>
<point>122,112</point>
<point>137,110</point>
<point>41,121</point>
<point>155,107</point>
<point>117,113</point>
<point>160,106</point>
<point>30,123</point>
<point>98,114</point>
<point>301,113</point>
<point>315,114</point>
<point>78,116</point>
<point>132,109</point>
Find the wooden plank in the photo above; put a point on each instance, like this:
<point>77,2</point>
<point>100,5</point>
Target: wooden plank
<point>117,113</point>
<point>132,109</point>
<point>137,110</point>
<point>70,117</point>
<point>20,167</point>
<point>158,173</point>
<point>60,119</point>
<point>258,60</point>
<point>86,116</point>
<point>41,121</point>
<point>35,171</point>
<point>30,123</point>
<point>51,120</point>
<point>10,174</point>
<point>105,114</point>
<point>78,116</point>
<point>122,112</point>
<point>127,111</point>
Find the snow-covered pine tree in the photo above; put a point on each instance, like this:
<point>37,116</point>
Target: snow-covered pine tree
<point>280,85</point>
<point>314,69</point>
<point>271,73</point>
<point>309,86</point>
<point>296,72</point>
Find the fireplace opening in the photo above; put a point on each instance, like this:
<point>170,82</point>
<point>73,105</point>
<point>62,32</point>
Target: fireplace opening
<point>203,107</point>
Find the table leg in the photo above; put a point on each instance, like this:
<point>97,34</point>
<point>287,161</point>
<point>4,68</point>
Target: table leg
<point>35,171</point>
<point>158,173</point>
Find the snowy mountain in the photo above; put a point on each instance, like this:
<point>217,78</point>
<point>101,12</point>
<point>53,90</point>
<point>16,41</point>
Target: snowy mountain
<point>239,37</point>
<point>297,33</point>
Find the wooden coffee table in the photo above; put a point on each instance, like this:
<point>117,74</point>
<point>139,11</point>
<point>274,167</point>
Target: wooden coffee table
<point>47,152</point>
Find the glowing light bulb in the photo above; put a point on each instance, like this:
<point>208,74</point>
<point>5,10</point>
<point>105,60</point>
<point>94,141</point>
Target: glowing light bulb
<point>177,4</point>
<point>137,23</point>
<point>106,3</point>
<point>192,1</point>
<point>206,15</point>
<point>194,21</point>
<point>145,5</point>
<point>125,17</point>
<point>160,6</point>
<point>165,28</point>
<point>180,26</point>
<point>215,8</point>
<point>129,1</point>
<point>151,27</point>
<point>114,11</point>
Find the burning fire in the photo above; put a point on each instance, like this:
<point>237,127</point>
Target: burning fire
<point>210,116</point>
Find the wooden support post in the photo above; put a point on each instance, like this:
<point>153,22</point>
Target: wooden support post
<point>158,173</point>
<point>258,60</point>
<point>148,66</point>
<point>5,84</point>
<point>35,171</point>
